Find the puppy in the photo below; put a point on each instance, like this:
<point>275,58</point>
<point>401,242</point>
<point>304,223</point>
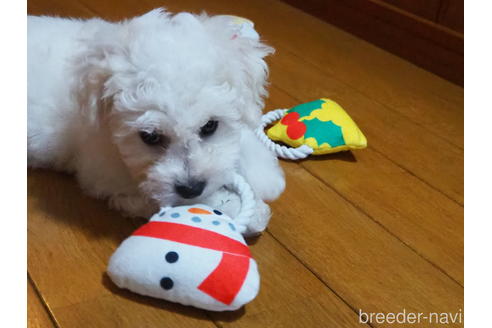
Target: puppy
<point>158,110</point>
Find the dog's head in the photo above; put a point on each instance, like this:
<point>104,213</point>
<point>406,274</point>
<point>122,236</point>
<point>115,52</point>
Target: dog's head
<point>175,92</point>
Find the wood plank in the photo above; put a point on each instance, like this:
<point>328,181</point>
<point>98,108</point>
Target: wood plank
<point>69,235</point>
<point>451,14</point>
<point>37,314</point>
<point>54,8</point>
<point>304,312</point>
<point>280,271</point>
<point>388,80</point>
<point>392,17</point>
<point>290,295</point>
<point>418,215</point>
<point>415,94</point>
<point>412,147</point>
<point>378,75</point>
<point>423,8</point>
<point>70,239</point>
<point>369,268</point>
<point>129,311</point>
<point>422,218</point>
<point>422,42</point>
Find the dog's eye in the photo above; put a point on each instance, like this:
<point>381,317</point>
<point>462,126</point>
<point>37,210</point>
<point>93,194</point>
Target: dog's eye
<point>151,138</point>
<point>209,128</point>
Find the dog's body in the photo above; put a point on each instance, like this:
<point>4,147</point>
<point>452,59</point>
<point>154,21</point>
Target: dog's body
<point>154,111</point>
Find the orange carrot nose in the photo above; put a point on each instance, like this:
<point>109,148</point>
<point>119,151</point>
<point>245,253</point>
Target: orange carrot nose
<point>196,210</point>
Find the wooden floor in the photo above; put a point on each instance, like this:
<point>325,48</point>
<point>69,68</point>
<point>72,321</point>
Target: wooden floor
<point>379,229</point>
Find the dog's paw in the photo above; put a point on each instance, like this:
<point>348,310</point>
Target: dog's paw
<point>133,205</point>
<point>230,203</point>
<point>269,186</point>
<point>225,201</point>
<point>259,221</point>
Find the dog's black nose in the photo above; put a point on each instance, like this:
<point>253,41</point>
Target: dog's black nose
<point>191,190</point>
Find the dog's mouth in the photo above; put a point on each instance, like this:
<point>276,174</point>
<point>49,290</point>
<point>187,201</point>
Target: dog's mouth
<point>190,190</point>
<point>173,197</point>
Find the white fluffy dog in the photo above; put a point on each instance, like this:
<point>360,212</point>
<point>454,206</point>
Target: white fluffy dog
<point>154,111</point>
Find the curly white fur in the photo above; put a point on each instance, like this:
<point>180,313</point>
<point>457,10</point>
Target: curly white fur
<point>93,86</point>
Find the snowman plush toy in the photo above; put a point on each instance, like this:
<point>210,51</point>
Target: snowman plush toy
<point>193,255</point>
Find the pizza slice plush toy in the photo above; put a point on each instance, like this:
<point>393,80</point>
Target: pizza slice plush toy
<point>317,127</point>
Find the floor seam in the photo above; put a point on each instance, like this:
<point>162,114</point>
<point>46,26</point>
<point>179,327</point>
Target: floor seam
<point>43,301</point>
<point>370,217</point>
<point>419,178</point>
<point>320,69</point>
<point>315,274</point>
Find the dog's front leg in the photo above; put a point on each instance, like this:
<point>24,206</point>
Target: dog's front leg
<point>260,167</point>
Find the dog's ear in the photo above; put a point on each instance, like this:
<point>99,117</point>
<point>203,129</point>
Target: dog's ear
<point>248,67</point>
<point>103,69</point>
<point>93,69</point>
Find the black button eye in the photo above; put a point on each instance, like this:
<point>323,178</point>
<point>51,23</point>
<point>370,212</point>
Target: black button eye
<point>167,283</point>
<point>172,257</point>
<point>150,138</point>
<point>209,128</point>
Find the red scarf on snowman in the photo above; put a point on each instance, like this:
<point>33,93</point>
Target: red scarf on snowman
<point>225,282</point>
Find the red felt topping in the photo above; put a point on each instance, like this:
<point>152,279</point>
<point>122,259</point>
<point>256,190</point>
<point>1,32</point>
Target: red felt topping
<point>297,130</point>
<point>290,118</point>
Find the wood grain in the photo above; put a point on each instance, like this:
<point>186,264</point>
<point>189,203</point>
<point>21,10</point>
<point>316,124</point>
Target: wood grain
<point>388,132</point>
<point>83,234</point>
<point>369,269</point>
<point>70,239</point>
<point>451,14</point>
<point>37,315</point>
<point>418,216</point>
<point>422,8</point>
<point>289,294</point>
<point>128,311</point>
<point>421,41</point>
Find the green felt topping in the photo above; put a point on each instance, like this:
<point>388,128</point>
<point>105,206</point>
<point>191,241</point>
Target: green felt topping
<point>324,132</point>
<point>306,108</point>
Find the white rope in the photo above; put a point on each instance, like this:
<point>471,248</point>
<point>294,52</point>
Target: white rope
<point>246,197</point>
<point>281,151</point>
<point>248,202</point>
